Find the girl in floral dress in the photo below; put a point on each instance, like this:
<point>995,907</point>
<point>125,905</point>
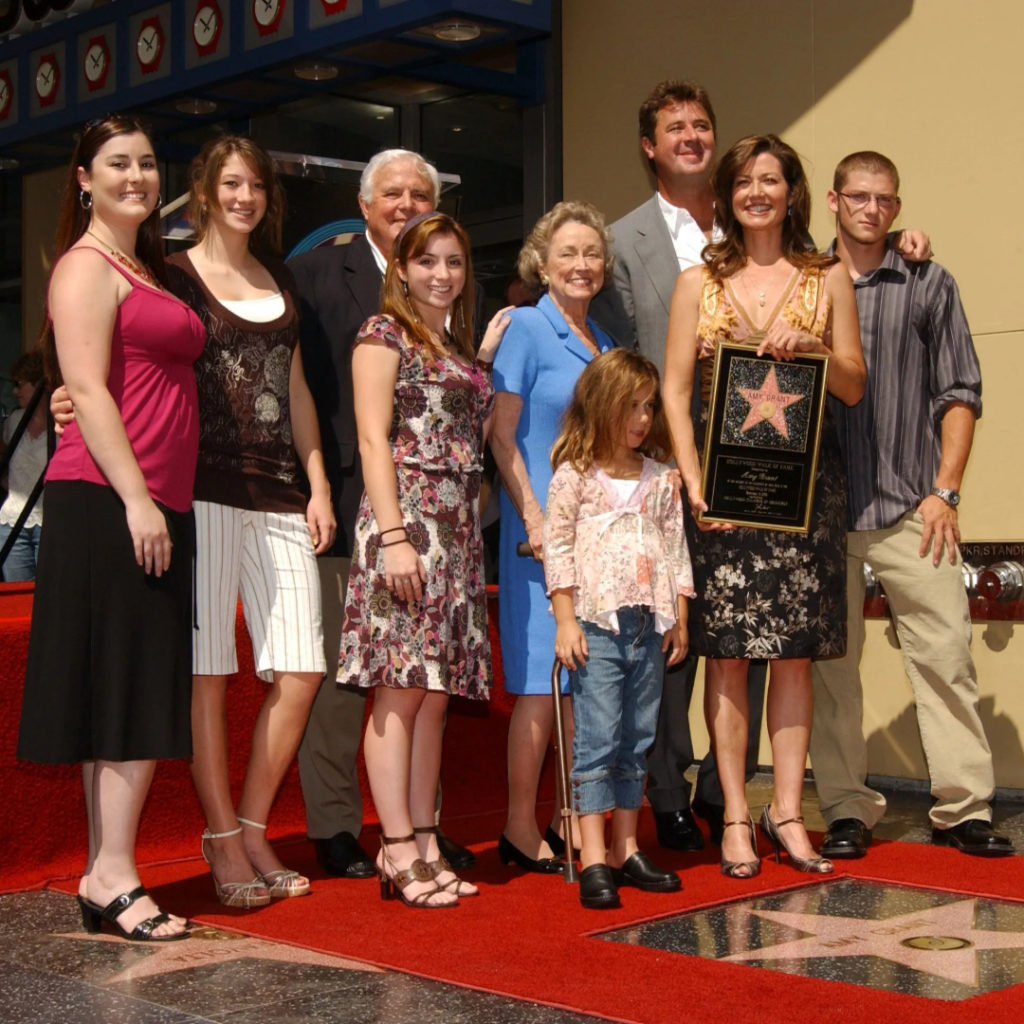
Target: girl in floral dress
<point>618,573</point>
<point>415,615</point>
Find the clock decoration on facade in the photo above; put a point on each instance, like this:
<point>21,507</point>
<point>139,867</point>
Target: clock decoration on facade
<point>47,79</point>
<point>267,15</point>
<point>6,94</point>
<point>207,26</point>
<point>96,63</point>
<point>149,46</point>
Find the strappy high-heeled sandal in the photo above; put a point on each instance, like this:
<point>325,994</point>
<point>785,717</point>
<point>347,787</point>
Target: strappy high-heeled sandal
<point>240,895</point>
<point>395,882</point>
<point>455,885</point>
<point>733,868</point>
<point>812,865</point>
<point>93,917</point>
<point>282,883</point>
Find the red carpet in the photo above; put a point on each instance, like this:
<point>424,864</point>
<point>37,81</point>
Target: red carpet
<point>47,840</point>
<point>525,936</point>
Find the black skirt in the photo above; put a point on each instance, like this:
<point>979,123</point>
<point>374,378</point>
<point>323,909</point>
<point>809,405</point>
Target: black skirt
<point>109,673</point>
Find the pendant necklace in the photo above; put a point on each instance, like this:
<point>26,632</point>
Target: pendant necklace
<point>125,261</point>
<point>762,293</point>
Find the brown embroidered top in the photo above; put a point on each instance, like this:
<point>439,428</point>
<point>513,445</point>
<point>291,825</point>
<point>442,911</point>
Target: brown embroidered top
<point>246,456</point>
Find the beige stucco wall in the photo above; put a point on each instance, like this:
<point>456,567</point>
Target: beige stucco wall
<point>925,82</point>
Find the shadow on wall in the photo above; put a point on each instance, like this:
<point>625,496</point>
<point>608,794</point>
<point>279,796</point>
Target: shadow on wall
<point>895,749</point>
<point>768,92</point>
<point>765,67</point>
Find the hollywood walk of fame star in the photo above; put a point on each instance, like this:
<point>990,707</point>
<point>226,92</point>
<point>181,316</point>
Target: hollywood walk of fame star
<point>768,404</point>
<point>940,940</point>
<point>209,946</point>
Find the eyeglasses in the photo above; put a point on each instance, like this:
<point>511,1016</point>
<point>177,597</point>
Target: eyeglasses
<point>858,200</point>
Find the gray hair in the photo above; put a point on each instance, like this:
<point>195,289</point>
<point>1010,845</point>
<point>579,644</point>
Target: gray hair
<point>534,253</point>
<point>389,156</point>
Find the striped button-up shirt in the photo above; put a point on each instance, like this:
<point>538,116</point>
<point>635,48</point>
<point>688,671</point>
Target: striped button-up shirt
<point>920,358</point>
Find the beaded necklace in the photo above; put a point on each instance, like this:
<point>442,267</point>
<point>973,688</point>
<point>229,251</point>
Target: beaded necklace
<point>126,261</point>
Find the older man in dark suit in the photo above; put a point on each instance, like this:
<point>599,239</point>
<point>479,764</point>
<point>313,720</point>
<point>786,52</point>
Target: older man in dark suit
<point>339,287</point>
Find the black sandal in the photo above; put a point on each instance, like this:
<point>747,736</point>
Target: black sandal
<point>93,918</point>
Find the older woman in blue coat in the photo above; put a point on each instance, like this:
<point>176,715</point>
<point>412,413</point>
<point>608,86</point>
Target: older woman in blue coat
<point>546,348</point>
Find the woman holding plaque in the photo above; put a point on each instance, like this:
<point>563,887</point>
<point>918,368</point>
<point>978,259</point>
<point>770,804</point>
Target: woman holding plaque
<point>764,593</point>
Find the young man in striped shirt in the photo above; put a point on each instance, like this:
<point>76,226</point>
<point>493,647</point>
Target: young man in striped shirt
<point>906,446</point>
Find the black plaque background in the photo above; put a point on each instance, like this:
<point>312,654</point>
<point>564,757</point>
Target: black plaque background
<point>785,470</point>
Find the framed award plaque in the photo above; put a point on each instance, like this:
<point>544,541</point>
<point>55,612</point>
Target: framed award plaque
<point>761,447</point>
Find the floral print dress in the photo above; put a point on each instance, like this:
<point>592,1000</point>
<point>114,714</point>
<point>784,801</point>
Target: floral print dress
<point>439,643</point>
<point>770,593</point>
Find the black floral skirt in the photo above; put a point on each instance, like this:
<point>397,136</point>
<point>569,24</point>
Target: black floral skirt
<point>770,593</point>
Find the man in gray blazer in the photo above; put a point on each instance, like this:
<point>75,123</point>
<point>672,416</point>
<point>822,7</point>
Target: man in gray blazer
<point>652,244</point>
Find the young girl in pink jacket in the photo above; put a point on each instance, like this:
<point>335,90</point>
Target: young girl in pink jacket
<point>618,574</point>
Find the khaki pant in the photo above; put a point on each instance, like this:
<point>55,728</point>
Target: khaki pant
<point>327,756</point>
<point>929,607</point>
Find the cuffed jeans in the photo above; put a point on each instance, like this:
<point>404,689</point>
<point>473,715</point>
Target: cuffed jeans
<point>615,699</point>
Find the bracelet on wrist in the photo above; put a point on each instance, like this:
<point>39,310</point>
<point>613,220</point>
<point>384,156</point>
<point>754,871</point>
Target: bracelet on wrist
<point>484,367</point>
<point>394,529</point>
<point>392,543</point>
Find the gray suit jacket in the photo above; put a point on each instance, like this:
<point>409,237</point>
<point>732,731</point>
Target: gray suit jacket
<point>634,306</point>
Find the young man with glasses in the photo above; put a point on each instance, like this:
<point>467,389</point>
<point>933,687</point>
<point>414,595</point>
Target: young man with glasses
<point>906,445</point>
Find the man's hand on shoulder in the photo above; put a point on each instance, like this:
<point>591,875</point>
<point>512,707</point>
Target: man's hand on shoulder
<point>913,244</point>
<point>941,529</point>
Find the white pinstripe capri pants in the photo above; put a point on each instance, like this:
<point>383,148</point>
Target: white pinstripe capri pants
<point>267,559</point>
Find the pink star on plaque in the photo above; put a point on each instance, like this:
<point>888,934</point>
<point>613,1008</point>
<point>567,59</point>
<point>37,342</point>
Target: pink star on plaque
<point>769,404</point>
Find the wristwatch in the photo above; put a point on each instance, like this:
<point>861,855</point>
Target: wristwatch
<point>949,496</point>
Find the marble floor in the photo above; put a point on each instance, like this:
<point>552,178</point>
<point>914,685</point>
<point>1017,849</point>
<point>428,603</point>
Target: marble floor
<point>52,971</point>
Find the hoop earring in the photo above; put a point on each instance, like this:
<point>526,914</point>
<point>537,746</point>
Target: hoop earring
<point>789,210</point>
<point>82,193</point>
<point>159,200</point>
<point>405,287</point>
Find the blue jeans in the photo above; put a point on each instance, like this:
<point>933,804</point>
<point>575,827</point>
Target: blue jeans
<point>615,699</point>
<point>20,564</point>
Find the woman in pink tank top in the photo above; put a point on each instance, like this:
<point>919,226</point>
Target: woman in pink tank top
<point>109,665</point>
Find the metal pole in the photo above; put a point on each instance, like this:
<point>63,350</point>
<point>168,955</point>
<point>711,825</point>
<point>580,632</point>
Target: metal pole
<point>562,754</point>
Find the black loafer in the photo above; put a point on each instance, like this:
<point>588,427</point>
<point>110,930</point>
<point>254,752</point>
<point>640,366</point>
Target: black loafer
<point>714,815</point>
<point>678,831</point>
<point>342,855</point>
<point>846,839</point>
<point>641,872</point>
<point>542,866</point>
<point>458,856</point>
<point>597,888</point>
<point>974,836</point>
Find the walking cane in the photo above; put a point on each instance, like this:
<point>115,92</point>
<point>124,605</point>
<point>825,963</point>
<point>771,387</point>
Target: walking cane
<point>571,873</point>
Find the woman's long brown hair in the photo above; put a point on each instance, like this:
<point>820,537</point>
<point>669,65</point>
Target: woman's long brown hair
<point>73,218</point>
